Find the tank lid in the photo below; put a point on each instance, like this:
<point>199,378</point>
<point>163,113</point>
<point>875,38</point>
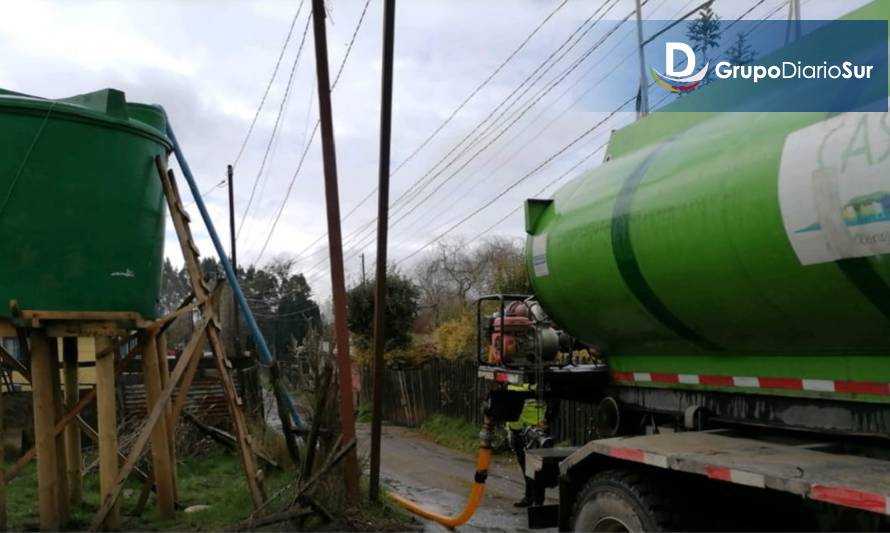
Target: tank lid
<point>107,105</point>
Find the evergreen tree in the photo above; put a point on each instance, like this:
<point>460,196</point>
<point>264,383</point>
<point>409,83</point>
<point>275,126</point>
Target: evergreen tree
<point>704,34</point>
<point>741,53</point>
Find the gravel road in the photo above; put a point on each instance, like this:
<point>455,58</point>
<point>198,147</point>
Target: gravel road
<point>439,478</point>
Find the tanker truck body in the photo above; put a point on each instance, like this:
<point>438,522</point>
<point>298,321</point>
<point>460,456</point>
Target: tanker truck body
<point>731,274</point>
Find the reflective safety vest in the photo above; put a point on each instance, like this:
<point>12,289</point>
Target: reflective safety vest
<point>532,414</point>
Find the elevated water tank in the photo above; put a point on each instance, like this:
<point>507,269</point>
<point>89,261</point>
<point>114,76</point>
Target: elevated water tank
<point>81,205</point>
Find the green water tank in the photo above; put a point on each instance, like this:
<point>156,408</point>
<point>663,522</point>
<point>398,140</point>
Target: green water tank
<point>81,206</point>
<point>743,247</point>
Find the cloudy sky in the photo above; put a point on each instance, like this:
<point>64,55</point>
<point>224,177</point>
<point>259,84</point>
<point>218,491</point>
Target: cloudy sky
<point>208,62</point>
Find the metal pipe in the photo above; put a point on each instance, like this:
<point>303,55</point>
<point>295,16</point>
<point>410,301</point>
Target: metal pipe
<point>259,340</point>
<point>389,22</point>
<point>335,247</point>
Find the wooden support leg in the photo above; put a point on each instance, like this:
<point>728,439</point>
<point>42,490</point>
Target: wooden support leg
<point>59,404</point>
<point>44,431</point>
<point>189,353</point>
<point>164,367</point>
<point>106,409</point>
<point>160,440</point>
<point>2,463</point>
<point>73,455</point>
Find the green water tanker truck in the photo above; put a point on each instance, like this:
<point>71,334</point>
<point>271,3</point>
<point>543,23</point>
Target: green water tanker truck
<point>730,274</point>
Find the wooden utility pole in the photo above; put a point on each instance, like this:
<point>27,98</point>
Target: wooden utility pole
<point>644,85</point>
<point>389,18</point>
<point>364,279</point>
<point>335,245</point>
<point>230,173</point>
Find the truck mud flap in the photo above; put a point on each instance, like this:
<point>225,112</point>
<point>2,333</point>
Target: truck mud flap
<point>543,516</point>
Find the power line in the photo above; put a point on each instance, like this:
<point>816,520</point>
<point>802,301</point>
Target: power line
<point>553,183</point>
<point>284,98</point>
<point>364,241</point>
<point>582,30</point>
<point>259,109</point>
<point>517,182</point>
<point>447,208</point>
<point>513,185</point>
<point>497,112</point>
<point>312,137</point>
<point>447,120</point>
<point>524,110</point>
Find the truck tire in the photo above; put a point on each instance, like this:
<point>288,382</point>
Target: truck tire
<point>620,500</point>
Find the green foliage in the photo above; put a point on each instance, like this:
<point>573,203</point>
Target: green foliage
<point>704,34</point>
<point>416,353</point>
<point>401,310</point>
<point>456,338</point>
<point>363,413</point>
<point>280,299</point>
<point>740,53</point>
<point>510,274</point>
<point>452,432</point>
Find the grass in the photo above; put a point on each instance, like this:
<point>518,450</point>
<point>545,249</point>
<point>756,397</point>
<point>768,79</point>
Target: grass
<point>451,432</point>
<point>215,479</point>
<point>363,413</point>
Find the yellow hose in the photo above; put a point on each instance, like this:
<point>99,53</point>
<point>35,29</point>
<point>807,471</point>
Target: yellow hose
<point>482,462</point>
<point>476,493</point>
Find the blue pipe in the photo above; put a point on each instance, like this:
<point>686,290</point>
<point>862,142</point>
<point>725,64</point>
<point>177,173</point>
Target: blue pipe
<point>259,340</point>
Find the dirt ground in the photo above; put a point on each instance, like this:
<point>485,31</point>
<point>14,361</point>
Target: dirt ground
<point>439,478</point>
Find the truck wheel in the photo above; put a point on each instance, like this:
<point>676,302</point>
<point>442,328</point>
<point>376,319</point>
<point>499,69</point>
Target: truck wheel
<point>620,500</point>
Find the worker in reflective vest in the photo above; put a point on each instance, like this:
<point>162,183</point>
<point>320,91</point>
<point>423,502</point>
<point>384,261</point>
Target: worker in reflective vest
<point>525,433</point>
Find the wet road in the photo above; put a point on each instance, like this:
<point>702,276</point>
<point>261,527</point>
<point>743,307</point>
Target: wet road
<point>439,478</point>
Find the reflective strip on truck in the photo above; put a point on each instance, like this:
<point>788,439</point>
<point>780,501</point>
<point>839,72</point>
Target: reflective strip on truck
<point>684,461</point>
<point>758,382</point>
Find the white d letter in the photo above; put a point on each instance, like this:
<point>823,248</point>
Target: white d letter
<point>670,51</point>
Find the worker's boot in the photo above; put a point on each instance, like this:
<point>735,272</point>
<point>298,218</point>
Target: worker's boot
<point>529,495</point>
<point>524,502</point>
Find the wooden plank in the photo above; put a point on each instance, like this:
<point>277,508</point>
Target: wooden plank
<point>73,454</point>
<point>85,400</point>
<point>44,432</point>
<point>242,434</point>
<point>77,328</point>
<point>162,468</point>
<point>164,369</point>
<point>3,521</point>
<point>59,408</point>
<point>79,315</point>
<point>106,409</point>
<point>191,351</point>
<point>199,289</point>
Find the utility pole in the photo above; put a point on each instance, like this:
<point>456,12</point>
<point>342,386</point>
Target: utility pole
<point>389,22</point>
<point>335,246</point>
<point>644,87</point>
<point>363,269</point>
<point>230,173</point>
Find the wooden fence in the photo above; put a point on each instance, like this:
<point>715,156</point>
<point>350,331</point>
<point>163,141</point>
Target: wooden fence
<point>452,388</point>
